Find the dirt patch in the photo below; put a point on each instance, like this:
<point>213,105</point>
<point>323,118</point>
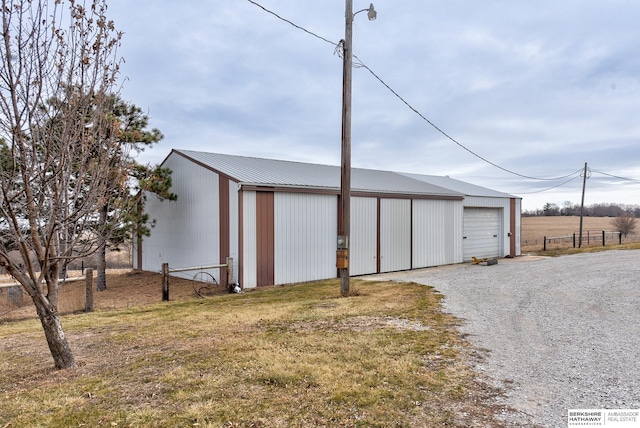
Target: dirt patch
<point>125,288</point>
<point>358,323</point>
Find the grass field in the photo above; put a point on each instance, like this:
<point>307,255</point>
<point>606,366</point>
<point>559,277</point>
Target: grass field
<point>298,355</point>
<point>534,229</point>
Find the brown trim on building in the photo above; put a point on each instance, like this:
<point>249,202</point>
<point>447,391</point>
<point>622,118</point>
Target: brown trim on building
<point>512,228</point>
<point>354,193</point>
<point>411,234</point>
<point>223,189</point>
<point>265,238</point>
<point>406,196</point>
<point>378,231</point>
<point>240,262</point>
<point>221,174</point>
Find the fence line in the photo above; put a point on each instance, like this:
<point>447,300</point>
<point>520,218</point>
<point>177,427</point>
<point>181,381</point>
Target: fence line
<point>72,298</point>
<point>166,271</point>
<point>64,281</point>
<point>600,237</point>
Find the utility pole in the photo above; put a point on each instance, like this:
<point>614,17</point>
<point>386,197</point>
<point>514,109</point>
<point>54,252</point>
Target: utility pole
<point>584,185</point>
<point>345,168</point>
<point>344,222</point>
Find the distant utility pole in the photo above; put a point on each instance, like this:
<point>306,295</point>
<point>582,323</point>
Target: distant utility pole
<point>584,185</point>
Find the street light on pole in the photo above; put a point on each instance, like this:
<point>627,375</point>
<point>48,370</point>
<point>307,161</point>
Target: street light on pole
<point>344,224</point>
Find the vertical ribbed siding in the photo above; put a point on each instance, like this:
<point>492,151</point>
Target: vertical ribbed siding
<point>305,237</point>
<point>395,234</point>
<point>265,237</point>
<point>437,233</point>
<point>234,240</point>
<point>363,238</point>
<point>249,251</point>
<point>187,230</point>
<point>518,203</point>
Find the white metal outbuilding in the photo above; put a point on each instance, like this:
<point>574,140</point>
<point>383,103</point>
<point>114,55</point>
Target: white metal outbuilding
<point>278,220</point>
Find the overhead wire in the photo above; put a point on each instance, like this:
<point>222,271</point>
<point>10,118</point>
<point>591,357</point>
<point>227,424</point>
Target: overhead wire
<point>550,188</point>
<point>616,176</point>
<point>292,23</point>
<point>360,64</point>
<point>416,111</point>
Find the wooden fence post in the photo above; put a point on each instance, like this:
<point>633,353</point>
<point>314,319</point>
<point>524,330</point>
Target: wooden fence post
<point>620,237</point>
<point>603,243</point>
<point>229,272</point>
<point>88,291</point>
<point>165,282</point>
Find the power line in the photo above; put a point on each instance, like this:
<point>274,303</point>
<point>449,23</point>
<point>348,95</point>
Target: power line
<point>554,187</point>
<point>361,64</point>
<point>616,176</point>
<point>293,24</point>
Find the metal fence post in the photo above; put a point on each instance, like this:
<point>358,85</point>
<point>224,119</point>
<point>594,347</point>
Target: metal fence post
<point>544,246</point>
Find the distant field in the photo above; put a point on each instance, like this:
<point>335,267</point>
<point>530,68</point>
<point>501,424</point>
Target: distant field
<point>534,229</point>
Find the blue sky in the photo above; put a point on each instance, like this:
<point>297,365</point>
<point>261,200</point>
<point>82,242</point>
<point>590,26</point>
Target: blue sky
<point>535,87</point>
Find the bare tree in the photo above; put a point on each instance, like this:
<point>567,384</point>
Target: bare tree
<point>59,68</point>
<point>625,224</point>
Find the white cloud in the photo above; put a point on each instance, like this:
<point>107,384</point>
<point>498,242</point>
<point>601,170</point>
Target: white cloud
<point>538,88</point>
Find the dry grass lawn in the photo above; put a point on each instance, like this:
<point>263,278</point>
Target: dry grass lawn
<point>279,357</point>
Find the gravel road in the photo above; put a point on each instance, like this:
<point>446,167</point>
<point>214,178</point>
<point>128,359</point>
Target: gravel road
<point>561,333</point>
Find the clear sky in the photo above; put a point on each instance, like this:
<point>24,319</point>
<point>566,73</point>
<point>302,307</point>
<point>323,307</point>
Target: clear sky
<point>522,89</point>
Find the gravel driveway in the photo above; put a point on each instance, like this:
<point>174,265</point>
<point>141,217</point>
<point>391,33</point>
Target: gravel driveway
<point>561,333</point>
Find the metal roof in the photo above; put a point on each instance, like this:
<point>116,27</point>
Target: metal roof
<point>463,187</point>
<point>250,171</point>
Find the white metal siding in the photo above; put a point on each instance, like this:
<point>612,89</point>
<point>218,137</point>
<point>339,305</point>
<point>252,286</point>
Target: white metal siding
<point>234,239</point>
<point>363,245</point>
<point>249,241</point>
<point>187,230</point>
<point>395,234</point>
<point>482,232</point>
<point>305,233</point>
<point>518,226</point>
<point>437,233</point>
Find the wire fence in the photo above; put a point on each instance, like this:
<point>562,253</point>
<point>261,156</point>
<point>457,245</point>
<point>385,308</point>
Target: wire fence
<point>590,238</point>
<point>15,303</point>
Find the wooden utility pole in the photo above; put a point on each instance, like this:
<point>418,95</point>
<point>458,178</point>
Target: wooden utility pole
<point>584,185</point>
<point>165,282</point>
<point>345,168</point>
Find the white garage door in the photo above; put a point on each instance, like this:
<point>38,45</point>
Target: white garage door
<point>481,232</point>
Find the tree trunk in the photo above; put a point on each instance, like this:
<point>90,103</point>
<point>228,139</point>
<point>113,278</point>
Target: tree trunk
<point>57,341</point>
<point>101,281</point>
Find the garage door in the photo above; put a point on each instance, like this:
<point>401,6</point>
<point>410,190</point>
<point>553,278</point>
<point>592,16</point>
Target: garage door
<point>481,232</point>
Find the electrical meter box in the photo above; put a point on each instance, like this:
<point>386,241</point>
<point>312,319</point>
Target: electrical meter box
<point>342,259</point>
<point>343,242</point>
